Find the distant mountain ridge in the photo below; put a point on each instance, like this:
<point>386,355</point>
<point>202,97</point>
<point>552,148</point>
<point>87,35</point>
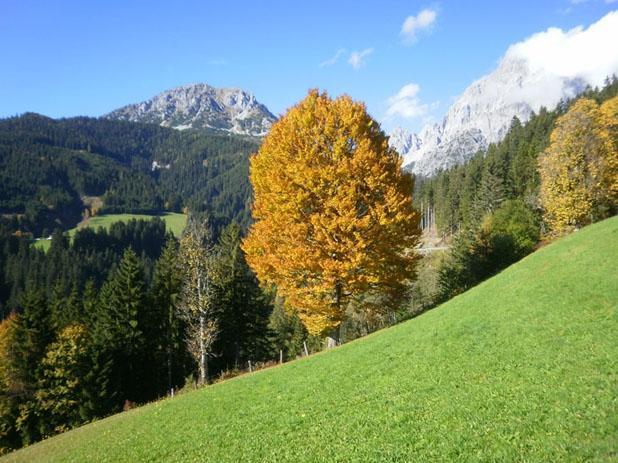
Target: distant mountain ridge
<point>200,106</point>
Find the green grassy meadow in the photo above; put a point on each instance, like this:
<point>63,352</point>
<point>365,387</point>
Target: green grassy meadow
<point>523,367</point>
<point>174,222</point>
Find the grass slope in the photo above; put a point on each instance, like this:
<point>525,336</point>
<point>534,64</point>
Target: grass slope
<point>522,367</point>
<point>174,222</point>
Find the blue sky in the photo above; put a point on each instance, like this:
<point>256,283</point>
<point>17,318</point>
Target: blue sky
<point>67,58</point>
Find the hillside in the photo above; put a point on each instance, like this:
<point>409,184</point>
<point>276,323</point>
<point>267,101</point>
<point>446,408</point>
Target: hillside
<point>174,223</point>
<point>522,367</point>
<point>50,170</point>
<point>459,197</point>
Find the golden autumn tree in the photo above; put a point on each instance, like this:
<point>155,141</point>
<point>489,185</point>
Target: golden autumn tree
<point>609,120</point>
<point>7,328</point>
<point>334,220</point>
<point>579,168</point>
<point>9,387</point>
<point>61,391</point>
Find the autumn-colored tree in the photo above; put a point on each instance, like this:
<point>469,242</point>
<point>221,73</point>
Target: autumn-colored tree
<point>197,305</point>
<point>8,405</point>
<point>609,120</point>
<point>579,170</point>
<point>334,220</point>
<point>60,394</point>
<point>7,376</point>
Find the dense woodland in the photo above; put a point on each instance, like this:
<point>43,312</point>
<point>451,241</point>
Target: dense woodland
<point>490,207</point>
<point>461,196</point>
<point>108,318</point>
<point>51,169</point>
<point>103,308</point>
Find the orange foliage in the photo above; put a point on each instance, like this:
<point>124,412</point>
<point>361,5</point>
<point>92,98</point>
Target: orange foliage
<point>334,220</point>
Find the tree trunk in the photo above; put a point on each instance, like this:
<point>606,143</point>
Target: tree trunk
<point>202,364</point>
<point>168,353</point>
<point>202,352</point>
<point>333,338</point>
<point>168,350</point>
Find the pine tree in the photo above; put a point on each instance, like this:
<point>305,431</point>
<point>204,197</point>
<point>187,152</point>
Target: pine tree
<point>65,309</point>
<point>287,331</point>
<point>89,301</point>
<point>166,292</point>
<point>119,328</point>
<point>333,212</point>
<point>244,309</point>
<point>31,337</point>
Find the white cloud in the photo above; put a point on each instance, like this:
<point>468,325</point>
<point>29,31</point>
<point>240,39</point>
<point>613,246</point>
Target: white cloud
<point>406,103</point>
<point>334,59</point>
<point>588,54</point>
<point>357,58</point>
<point>424,20</point>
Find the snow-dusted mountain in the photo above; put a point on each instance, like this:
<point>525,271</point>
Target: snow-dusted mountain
<point>482,115</point>
<point>404,141</point>
<point>538,72</point>
<point>200,106</point>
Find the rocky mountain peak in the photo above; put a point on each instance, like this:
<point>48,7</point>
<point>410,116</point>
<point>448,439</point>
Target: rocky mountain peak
<point>200,106</point>
<point>483,114</point>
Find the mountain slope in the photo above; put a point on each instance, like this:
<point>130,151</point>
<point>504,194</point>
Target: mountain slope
<point>522,367</point>
<point>49,168</point>
<point>200,106</point>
